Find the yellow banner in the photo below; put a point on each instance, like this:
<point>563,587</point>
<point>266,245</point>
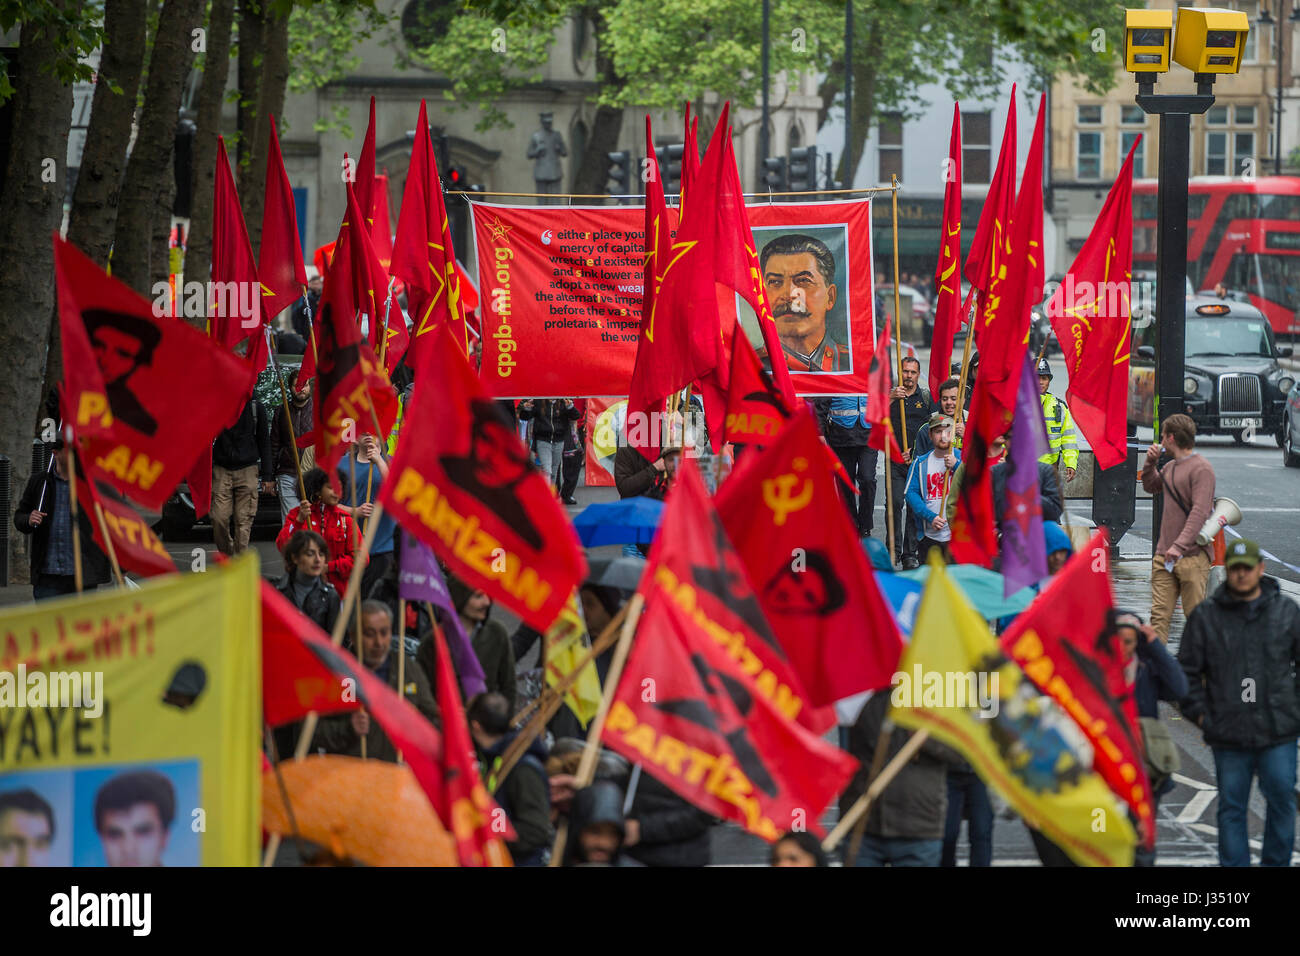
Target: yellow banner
<point>954,681</point>
<point>565,647</point>
<point>130,724</point>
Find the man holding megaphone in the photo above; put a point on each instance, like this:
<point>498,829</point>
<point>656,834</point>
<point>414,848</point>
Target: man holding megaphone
<point>1181,566</point>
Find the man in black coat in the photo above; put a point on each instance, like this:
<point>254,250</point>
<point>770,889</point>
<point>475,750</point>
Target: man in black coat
<point>239,455</point>
<point>1240,651</point>
<point>44,513</point>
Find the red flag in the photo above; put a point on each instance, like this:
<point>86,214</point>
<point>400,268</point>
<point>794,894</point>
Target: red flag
<point>989,248</point>
<point>690,154</point>
<point>947,274</point>
<point>145,394</point>
<point>1066,644</point>
<point>236,306</point>
<point>1090,316</point>
<point>1002,332</point>
<point>974,534</point>
<point>423,257</point>
<point>296,680</point>
<point>135,545</point>
<point>289,643</point>
<point>694,565</point>
<point>667,357</point>
<point>736,266</point>
<point>469,490</point>
<point>812,577</point>
<point>756,409</point>
<point>353,395</point>
<point>199,480</point>
<point>879,384</point>
<point>279,263</point>
<point>381,231</point>
<point>711,736</point>
<point>471,810</point>
<point>365,171</point>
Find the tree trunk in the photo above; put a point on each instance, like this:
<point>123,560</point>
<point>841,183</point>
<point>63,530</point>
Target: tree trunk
<point>864,99</point>
<point>150,182</point>
<point>31,208</point>
<point>94,203</point>
<point>216,69</point>
<point>270,102</point>
<point>593,168</point>
<point>252,50</point>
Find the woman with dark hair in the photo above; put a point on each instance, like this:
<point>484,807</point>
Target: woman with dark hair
<point>305,584</point>
<point>324,515</point>
<point>798,848</point>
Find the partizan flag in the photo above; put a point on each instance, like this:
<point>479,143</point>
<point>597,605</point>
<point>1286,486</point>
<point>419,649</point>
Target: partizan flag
<point>709,735</point>
<point>124,371</point>
<point>1090,316</point>
<point>469,490</point>
<point>353,395</point>
<point>756,409</point>
<point>133,542</point>
<point>694,565</point>
<point>279,262</point>
<point>423,257</point>
<point>947,274</point>
<point>966,692</point>
<point>783,516</point>
<point>1066,643</point>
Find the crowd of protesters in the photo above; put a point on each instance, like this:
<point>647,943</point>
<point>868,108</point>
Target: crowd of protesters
<point>1246,630</point>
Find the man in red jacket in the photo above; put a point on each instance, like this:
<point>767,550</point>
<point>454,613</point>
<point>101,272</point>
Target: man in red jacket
<point>324,516</point>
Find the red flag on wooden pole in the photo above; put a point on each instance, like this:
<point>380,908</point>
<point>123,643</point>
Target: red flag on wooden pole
<point>279,263</point>
<point>947,274</point>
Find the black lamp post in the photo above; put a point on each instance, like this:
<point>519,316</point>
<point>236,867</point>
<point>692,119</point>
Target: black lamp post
<point>1266,20</point>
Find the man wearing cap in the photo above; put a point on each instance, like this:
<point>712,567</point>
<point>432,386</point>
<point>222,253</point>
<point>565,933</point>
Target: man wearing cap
<point>928,484</point>
<point>1240,651</point>
<point>1060,426</point>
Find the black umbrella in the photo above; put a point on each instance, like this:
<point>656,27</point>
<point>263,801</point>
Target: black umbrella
<point>623,572</point>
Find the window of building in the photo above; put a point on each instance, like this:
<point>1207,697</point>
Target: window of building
<point>1088,114</point>
<point>890,146</point>
<point>1230,140</point>
<point>1132,116</point>
<point>1139,157</point>
<point>1243,154</point>
<point>1216,154</point>
<point>1088,155</point>
<point>1243,115</point>
<point>977,147</point>
<point>1217,116</point>
<point>1251,9</point>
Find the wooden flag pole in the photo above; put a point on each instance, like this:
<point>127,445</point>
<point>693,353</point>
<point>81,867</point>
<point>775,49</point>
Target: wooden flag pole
<point>108,546</point>
<point>898,321</point>
<point>552,698</point>
<point>587,767</point>
<point>886,777</point>
<point>72,507</point>
<point>383,329</point>
<point>889,501</point>
<point>965,360</point>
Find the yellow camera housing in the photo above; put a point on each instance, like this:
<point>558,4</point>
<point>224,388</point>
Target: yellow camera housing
<point>1147,36</point>
<point>1210,40</point>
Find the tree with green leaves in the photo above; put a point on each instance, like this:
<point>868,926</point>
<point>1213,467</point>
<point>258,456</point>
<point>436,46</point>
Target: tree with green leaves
<point>657,54</point>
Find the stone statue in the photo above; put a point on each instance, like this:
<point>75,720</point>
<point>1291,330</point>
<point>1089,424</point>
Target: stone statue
<point>546,147</point>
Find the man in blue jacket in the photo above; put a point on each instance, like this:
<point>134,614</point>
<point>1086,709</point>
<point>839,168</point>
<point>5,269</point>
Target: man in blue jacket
<point>928,483</point>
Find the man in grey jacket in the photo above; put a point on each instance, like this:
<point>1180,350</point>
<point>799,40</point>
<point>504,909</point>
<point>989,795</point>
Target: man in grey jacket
<point>1241,654</point>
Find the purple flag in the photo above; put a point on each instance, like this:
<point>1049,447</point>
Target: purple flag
<point>1024,551</point>
<point>420,579</point>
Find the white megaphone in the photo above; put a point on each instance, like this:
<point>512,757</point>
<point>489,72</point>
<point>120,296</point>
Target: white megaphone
<point>1225,512</point>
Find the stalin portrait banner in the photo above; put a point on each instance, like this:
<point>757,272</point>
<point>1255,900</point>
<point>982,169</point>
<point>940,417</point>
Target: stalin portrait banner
<point>562,290</point>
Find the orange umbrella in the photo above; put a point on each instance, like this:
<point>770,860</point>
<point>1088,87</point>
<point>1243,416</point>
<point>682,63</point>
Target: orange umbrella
<point>367,810</point>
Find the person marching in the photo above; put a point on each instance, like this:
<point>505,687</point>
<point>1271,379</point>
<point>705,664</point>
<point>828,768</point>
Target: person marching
<point>1061,436</point>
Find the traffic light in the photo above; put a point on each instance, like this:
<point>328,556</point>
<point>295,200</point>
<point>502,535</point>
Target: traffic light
<point>803,169</point>
<point>620,173</point>
<point>670,167</point>
<point>456,178</point>
<point>775,174</point>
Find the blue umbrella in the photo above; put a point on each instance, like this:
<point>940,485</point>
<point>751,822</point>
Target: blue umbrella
<point>630,521</point>
<point>982,587</point>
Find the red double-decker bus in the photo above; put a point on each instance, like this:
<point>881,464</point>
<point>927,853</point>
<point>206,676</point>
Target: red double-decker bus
<point>1242,233</point>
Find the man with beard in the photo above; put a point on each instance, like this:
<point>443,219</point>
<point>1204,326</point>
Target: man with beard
<point>1247,637</point>
<point>799,273</point>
